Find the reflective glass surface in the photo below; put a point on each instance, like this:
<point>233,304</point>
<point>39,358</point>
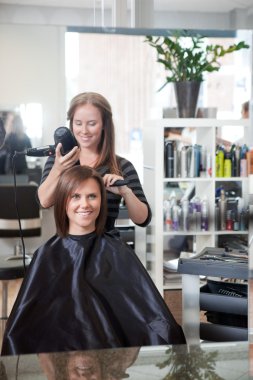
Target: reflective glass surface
<point>207,361</point>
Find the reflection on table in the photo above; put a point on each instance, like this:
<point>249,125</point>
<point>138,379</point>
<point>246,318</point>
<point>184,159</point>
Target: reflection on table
<point>207,361</point>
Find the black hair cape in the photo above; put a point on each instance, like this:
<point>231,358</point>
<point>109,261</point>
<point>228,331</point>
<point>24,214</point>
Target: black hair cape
<point>87,292</point>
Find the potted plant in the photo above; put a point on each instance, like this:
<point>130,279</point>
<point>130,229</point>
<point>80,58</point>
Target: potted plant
<point>186,58</point>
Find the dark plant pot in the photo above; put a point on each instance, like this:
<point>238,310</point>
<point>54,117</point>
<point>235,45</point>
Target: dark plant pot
<point>187,93</point>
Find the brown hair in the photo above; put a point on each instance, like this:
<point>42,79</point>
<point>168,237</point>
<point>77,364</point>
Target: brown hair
<point>106,147</point>
<point>70,179</point>
<point>18,127</point>
<point>245,106</point>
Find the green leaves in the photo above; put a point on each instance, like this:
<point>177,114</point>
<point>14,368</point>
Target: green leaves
<point>186,57</point>
<point>197,364</point>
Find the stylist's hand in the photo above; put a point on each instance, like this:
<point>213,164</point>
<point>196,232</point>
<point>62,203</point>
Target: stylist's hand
<point>109,180</point>
<point>64,162</point>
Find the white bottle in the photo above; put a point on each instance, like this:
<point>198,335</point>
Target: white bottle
<point>223,210</point>
<point>204,215</point>
<point>185,209</point>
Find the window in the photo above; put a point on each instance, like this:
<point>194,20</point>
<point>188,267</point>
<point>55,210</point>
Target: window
<point>124,69</point>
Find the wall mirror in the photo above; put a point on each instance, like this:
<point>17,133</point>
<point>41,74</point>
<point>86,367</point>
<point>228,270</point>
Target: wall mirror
<point>46,63</point>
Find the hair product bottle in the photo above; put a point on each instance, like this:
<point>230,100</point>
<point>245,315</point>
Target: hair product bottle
<point>204,215</point>
<point>220,163</point>
<point>244,162</point>
<point>169,159</point>
<point>223,210</point>
<point>227,165</point>
<point>185,209</point>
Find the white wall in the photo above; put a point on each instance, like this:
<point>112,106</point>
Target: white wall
<point>32,70</point>
<point>146,17</point>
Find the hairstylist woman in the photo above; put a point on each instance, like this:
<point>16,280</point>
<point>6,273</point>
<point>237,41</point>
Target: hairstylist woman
<point>90,120</point>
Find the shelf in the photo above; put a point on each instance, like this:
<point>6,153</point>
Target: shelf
<point>159,188</point>
<point>198,122</point>
<point>228,179</point>
<point>187,233</point>
<point>188,179</point>
<point>175,284</point>
<point>205,179</point>
<point>171,280</point>
<point>204,233</point>
<point>225,232</point>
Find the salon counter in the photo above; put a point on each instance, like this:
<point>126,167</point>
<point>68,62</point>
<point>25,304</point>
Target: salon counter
<point>227,360</point>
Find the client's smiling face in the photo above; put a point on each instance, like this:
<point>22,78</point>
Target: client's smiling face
<point>83,207</point>
<point>85,367</point>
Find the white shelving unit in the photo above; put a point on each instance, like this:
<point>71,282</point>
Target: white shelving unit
<point>155,183</point>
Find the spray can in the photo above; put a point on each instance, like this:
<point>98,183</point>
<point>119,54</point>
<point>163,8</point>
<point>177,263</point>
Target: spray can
<point>243,162</point>
<point>175,160</point>
<point>168,217</point>
<point>233,161</point>
<point>175,218</point>
<point>169,159</point>
<point>223,210</point>
<point>220,163</point>
<point>183,162</point>
<point>204,215</point>
<point>185,209</point>
<point>197,160</point>
<point>227,165</point>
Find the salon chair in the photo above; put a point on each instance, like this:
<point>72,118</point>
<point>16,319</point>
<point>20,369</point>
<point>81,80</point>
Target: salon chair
<point>10,269</point>
<point>12,266</point>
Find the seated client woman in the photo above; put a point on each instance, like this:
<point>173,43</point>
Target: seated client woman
<point>86,289</point>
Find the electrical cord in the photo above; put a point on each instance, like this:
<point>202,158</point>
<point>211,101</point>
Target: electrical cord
<point>16,369</point>
<point>17,210</point>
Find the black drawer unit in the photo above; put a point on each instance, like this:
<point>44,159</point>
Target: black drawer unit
<point>215,262</point>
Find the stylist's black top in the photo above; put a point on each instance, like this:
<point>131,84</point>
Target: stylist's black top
<point>87,292</point>
<point>113,200</point>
